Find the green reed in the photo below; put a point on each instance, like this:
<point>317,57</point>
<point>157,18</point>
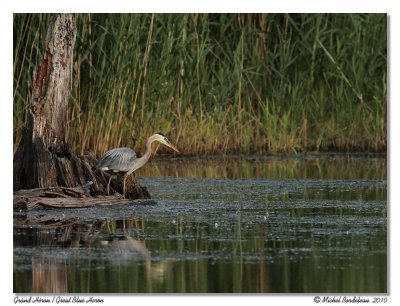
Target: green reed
<point>218,83</point>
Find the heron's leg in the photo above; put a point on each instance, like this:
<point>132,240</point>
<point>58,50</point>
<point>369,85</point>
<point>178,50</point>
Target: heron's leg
<point>123,188</point>
<point>108,185</point>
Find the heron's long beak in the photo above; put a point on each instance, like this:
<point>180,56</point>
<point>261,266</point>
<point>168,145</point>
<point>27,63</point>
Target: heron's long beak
<point>170,145</point>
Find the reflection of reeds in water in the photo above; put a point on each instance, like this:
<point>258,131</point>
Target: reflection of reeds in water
<point>49,275</point>
<point>273,168</point>
<point>255,261</point>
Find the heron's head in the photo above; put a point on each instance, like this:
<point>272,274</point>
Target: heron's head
<point>160,137</point>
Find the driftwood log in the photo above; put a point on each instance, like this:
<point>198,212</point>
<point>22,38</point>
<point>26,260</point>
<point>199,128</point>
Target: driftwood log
<point>61,197</point>
<point>43,158</point>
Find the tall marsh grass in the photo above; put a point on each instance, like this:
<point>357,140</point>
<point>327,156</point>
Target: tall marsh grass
<point>219,83</point>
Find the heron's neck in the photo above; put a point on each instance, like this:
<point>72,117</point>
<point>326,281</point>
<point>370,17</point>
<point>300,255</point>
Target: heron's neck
<point>146,156</point>
<point>140,162</point>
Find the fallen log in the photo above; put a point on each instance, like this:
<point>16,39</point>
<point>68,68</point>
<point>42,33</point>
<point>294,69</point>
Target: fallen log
<point>62,197</point>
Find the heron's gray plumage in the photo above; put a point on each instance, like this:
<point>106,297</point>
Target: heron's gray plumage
<point>117,160</point>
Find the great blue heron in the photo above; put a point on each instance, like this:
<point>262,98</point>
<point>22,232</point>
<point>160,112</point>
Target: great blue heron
<point>125,160</point>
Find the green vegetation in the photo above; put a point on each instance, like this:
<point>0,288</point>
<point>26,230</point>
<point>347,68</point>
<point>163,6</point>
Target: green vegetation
<point>218,83</point>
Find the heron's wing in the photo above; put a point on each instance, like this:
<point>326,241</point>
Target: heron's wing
<point>119,159</point>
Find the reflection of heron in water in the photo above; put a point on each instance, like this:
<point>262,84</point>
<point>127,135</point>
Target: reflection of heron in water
<point>124,159</point>
<point>124,249</point>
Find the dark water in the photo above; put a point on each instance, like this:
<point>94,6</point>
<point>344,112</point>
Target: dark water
<point>314,225</point>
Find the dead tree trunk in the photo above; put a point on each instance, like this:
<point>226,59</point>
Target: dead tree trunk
<point>43,158</point>
<point>43,136</point>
